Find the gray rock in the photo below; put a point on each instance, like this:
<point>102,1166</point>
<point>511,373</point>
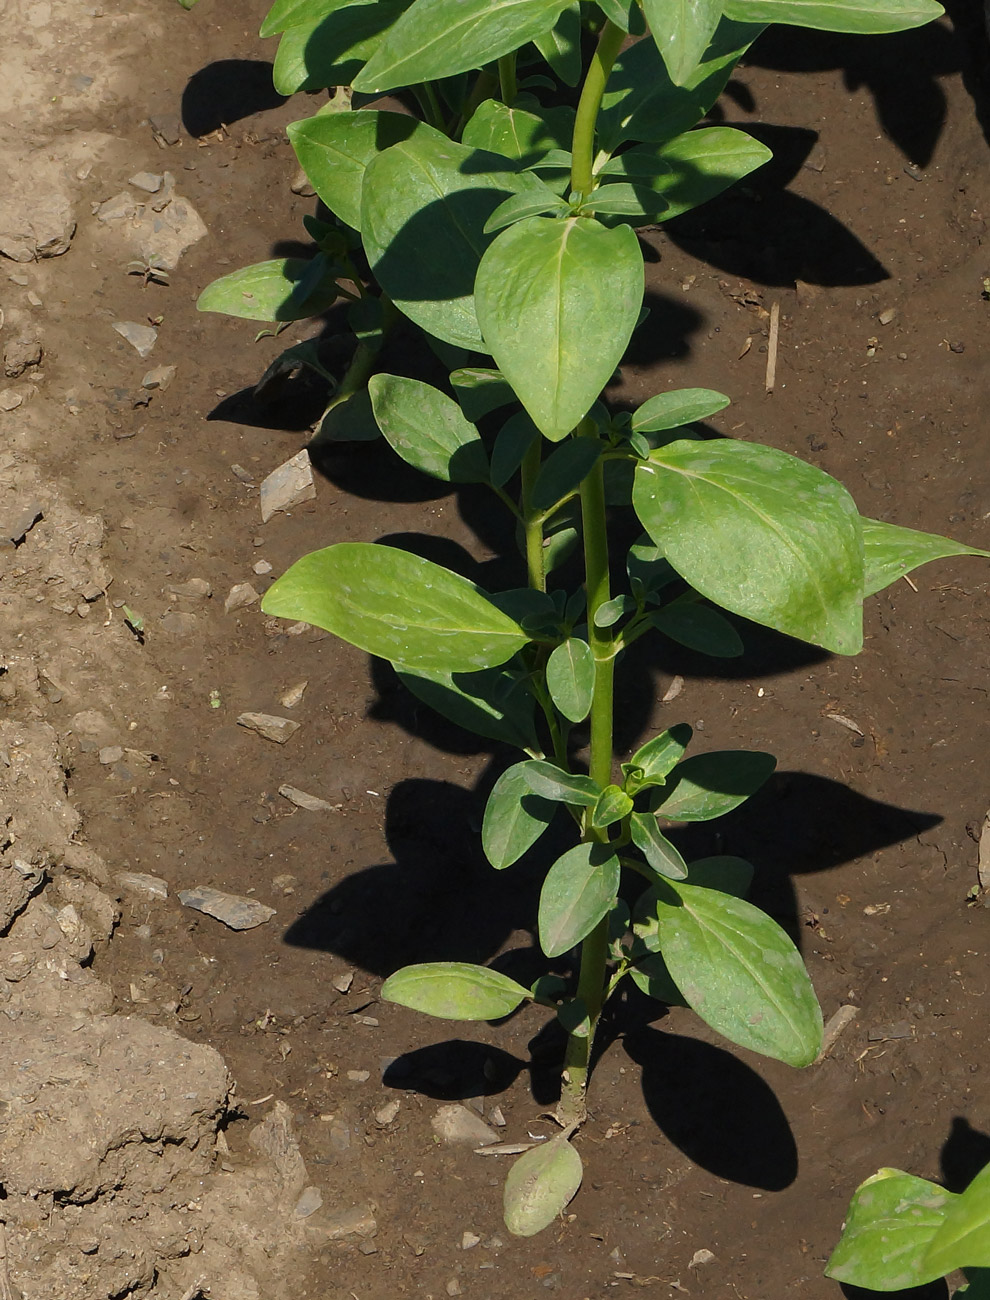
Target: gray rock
<point>194,589</point>
<point>310,1200</point>
<point>456,1125</point>
<point>16,525</point>
<point>233,910</point>
<point>179,623</point>
<point>139,882</point>
<point>10,400</point>
<point>150,182</point>
<point>268,725</point>
<point>239,597</point>
<point>122,207</point>
<point>35,225</point>
<point>358,1222</point>
<point>308,801</point>
<point>287,486</point>
<point>160,377</point>
<point>19,355</point>
<point>110,754</point>
<point>166,128</point>
<point>141,337</point>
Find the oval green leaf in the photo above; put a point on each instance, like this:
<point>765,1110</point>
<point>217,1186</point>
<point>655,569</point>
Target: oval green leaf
<point>674,410</point>
<point>480,391</point>
<point>571,678</point>
<point>864,17</point>
<point>551,782</point>
<point>516,133</point>
<point>613,804</point>
<point>652,762</point>
<point>439,38</point>
<point>271,291</point>
<point>891,1221</point>
<point>398,606</point>
<point>331,49</point>
<point>454,990</point>
<point>557,302</point>
<point>490,703</point>
<point>561,45</point>
<point>541,1184</point>
<point>291,13</point>
<point>682,30</point>
<point>564,470</point>
<point>740,973</point>
<point>891,551</point>
<point>578,891</point>
<point>963,1240</point>
<point>707,786</point>
<point>702,164</point>
<point>658,851</point>
<point>426,428</point>
<point>699,627</point>
<point>515,818</point>
<point>760,533</point>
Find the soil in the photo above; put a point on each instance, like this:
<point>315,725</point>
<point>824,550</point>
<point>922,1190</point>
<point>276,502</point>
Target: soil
<point>128,1164</point>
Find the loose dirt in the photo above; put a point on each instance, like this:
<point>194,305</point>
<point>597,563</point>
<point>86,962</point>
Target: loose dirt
<point>190,1110</point>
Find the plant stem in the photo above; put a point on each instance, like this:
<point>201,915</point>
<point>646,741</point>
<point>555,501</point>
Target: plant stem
<point>508,86</point>
<point>485,85</point>
<point>365,355</point>
<point>594,949</point>
<point>583,142</point>
<point>533,521</point>
<point>426,97</point>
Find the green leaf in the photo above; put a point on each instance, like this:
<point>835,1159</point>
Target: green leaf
<point>578,891</point>
<point>646,565</point>
<point>658,851</point>
<point>571,678</point>
<point>490,703</point>
<point>350,421</point>
<point>270,291</point>
<point>517,133</point>
<point>557,302</point>
<point>707,786</point>
<point>891,551</point>
<point>330,50</point>
<point>892,1219</point>
<point>551,782</point>
<point>564,470</point>
<point>515,818</point>
<point>398,606</point>
<point>642,103</point>
<point>699,627</point>
<point>963,1240</point>
<point>561,45</point>
<point>480,391</point>
<point>609,612</point>
<point>865,17</point>
<point>727,874</point>
<point>625,14</point>
<point>640,203</point>
<point>438,38</point>
<point>613,804</point>
<point>426,428</point>
<point>518,207</point>
<point>760,533</point>
<point>703,163</point>
<point>740,973</point>
<point>335,149</point>
<point>682,30</point>
<point>514,440</point>
<point>674,410</point>
<point>454,990</point>
<point>291,13</point>
<point>652,762</point>
<point>651,976</point>
<point>540,1185</point>
<point>424,207</point>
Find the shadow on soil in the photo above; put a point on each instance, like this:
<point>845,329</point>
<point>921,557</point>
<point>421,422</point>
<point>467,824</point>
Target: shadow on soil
<point>225,91</point>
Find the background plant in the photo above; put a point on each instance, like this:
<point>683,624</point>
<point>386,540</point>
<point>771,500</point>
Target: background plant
<point>501,222</point>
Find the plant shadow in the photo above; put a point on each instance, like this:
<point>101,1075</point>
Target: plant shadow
<point>226,91</point>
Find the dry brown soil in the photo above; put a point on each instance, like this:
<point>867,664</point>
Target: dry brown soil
<point>877,202</point>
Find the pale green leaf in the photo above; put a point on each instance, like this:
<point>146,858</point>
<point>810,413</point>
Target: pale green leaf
<point>291,13</point>
<point>702,164</point>
<point>578,891</point>
<point>518,133</point>
<point>613,804</point>
<point>480,391</point>
<point>652,762</point>
<point>490,703</point>
<point>330,50</point>
<point>891,551</point>
<point>682,30</point>
<point>963,1240</point>
<point>658,851</point>
<point>454,990</point>
<point>427,429</point>
<point>675,409</point>
<point>541,1184</point>
<point>515,818</point>
<point>561,45</point>
<point>571,678</point>
<point>864,17</point>
<point>270,291</point>
<point>707,786</point>
<point>551,782</point>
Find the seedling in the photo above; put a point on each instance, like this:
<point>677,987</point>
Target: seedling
<point>505,230</point>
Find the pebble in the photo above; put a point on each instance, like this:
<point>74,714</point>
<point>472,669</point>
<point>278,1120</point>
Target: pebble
<point>261,568</point>
<point>887,316</point>
<point>150,182</point>
<point>701,1257</point>
<point>110,754</point>
<point>291,697</point>
<point>244,475</point>
<point>359,1076</point>
<point>453,1287</point>
<point>457,1125</point>
<point>469,1240</point>
<point>139,882</point>
<point>308,801</point>
<point>386,1114</point>
<point>287,486</point>
<point>195,588</point>
<point>266,724</point>
<point>233,910</point>
<point>166,128</point>
<point>342,983</point>
<point>141,337</point>
<point>358,1222</point>
<point>239,597</point>
<point>9,400</point>
<point>159,377</point>
<point>19,355</point>
<point>310,1200</point>
<point>179,623</point>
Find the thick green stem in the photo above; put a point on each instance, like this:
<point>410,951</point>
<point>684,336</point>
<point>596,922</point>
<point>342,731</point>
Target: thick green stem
<point>533,520</point>
<point>508,85</point>
<point>594,950</point>
<point>583,143</point>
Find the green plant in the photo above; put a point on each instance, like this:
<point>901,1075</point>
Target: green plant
<point>902,1231</point>
<point>505,230</point>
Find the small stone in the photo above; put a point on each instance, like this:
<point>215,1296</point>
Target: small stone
<point>262,568</point>
<point>9,400</point>
<point>914,171</point>
<point>245,476</point>
<point>268,725</point>
<point>179,623</point>
<point>386,1114</point>
<point>284,882</point>
<point>701,1257</point>
<point>16,526</point>
<point>150,182</point>
<point>291,697</point>
<point>141,337</point>
<point>359,1076</point>
<point>301,184</point>
<point>19,355</point>
<point>34,299</point>
<point>160,377</point>
<point>887,316</point>
<point>368,1248</point>
<point>232,909</point>
<point>342,983</point>
<point>139,882</point>
<point>457,1125</point>
<point>453,1287</point>
<point>880,1033</point>
<point>288,486</point>
<point>469,1240</point>
<point>193,589</point>
<point>308,801</point>
<point>358,1222</point>
<point>310,1200</point>
<point>166,128</point>
<point>239,597</point>
<point>122,207</point>
<point>817,158</point>
<point>110,754</point>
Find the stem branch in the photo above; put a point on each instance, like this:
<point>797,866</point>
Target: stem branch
<point>583,142</point>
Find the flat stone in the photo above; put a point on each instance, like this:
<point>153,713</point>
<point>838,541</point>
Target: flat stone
<point>141,337</point>
<point>310,1200</point>
<point>36,224</point>
<point>19,355</point>
<point>292,696</point>
<point>150,182</point>
<point>233,910</point>
<point>240,596</point>
<point>456,1125</point>
<point>194,589</point>
<point>16,525</point>
<point>111,754</point>
<point>139,882</point>
<point>159,378</point>
<point>179,623</point>
<point>288,486</point>
<point>166,128</point>
<point>122,207</point>
<point>10,400</point>
<point>358,1222</point>
<point>308,801</point>
<point>268,725</point>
